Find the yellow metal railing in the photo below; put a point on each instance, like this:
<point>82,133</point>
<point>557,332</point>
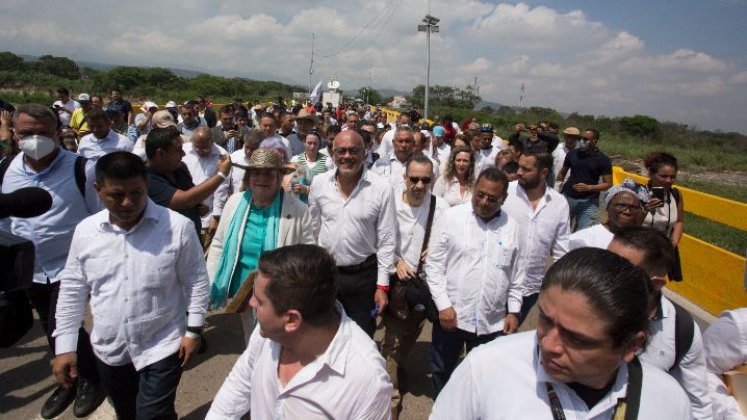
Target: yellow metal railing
<point>713,277</point>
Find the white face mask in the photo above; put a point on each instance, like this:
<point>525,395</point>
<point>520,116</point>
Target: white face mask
<point>37,147</point>
<point>582,145</point>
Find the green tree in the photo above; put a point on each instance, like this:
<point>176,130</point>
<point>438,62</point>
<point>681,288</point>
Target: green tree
<point>58,66</point>
<point>369,94</point>
<point>642,126</point>
<point>10,61</point>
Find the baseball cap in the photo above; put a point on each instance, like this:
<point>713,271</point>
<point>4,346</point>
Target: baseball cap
<point>439,131</point>
<point>84,97</point>
<point>486,128</point>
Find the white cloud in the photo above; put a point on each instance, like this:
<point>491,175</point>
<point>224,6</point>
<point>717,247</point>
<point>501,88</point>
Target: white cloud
<point>566,59</point>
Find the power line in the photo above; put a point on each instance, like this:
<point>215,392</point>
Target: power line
<point>388,11</point>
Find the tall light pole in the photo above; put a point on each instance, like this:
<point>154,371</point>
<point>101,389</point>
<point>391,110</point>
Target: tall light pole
<point>431,25</point>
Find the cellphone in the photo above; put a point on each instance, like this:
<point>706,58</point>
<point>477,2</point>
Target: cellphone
<point>658,192</point>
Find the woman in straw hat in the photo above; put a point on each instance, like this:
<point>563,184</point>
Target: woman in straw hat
<point>259,219</point>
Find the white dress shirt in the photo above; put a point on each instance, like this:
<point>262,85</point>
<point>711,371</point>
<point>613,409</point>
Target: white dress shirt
<point>450,190</point>
<point>202,168</point>
<point>347,381</point>
<point>52,232</point>
<point>391,169</point>
<point>387,147</point>
<point>141,283</point>
<point>725,344</point>
<point>472,266</point>
<point>484,159</point>
<point>503,379</point>
<point>237,174</point>
<point>558,157</point>
<point>355,228</point>
<point>411,221</point>
<point>91,147</point>
<point>597,236</point>
<point>691,371</point>
<point>543,231</point>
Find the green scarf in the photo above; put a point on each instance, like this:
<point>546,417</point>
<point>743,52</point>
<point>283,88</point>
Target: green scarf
<point>222,281</point>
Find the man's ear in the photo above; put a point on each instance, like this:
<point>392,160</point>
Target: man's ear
<point>97,186</point>
<point>631,348</point>
<point>293,320</point>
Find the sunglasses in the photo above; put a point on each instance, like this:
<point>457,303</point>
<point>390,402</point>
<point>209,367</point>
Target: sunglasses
<point>415,179</point>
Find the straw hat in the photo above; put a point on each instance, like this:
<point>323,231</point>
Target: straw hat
<point>266,159</point>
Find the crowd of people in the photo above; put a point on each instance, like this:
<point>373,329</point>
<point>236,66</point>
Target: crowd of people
<point>316,222</point>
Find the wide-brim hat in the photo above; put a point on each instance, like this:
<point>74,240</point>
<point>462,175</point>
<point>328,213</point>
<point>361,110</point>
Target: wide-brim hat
<point>266,159</point>
<point>304,114</point>
<point>572,131</point>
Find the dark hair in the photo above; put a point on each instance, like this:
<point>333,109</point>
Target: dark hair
<point>119,165</point>
<point>365,135</point>
<point>655,245</point>
<point>656,160</point>
<point>302,277</point>
<point>510,167</point>
<point>553,125</point>
<point>97,114</point>
<point>63,91</point>
<point>226,109</point>
<point>594,132</point>
<point>543,160</point>
<point>617,290</point>
<point>332,129</point>
<point>493,174</point>
<point>516,144</point>
<point>418,158</point>
<point>160,138</point>
<point>38,112</point>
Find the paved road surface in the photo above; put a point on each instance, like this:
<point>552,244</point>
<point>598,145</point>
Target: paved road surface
<point>26,382</point>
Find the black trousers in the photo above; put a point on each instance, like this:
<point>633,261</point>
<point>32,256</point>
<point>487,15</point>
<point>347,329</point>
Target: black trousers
<point>43,298</point>
<point>145,394</point>
<point>356,287</point>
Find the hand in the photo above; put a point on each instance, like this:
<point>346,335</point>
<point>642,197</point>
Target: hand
<point>510,324</point>
<point>187,348</point>
<point>299,188</point>
<point>581,187</point>
<point>224,164</point>
<point>202,209</point>
<point>519,127</point>
<point>448,319</point>
<point>213,226</point>
<point>5,118</point>
<point>423,255</point>
<point>65,369</point>
<point>404,271</point>
<point>381,300</point>
<point>653,204</point>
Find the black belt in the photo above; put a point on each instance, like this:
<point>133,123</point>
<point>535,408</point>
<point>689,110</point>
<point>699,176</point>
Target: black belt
<point>355,268</point>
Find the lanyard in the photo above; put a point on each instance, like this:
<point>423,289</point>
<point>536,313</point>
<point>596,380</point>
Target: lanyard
<point>557,408</point>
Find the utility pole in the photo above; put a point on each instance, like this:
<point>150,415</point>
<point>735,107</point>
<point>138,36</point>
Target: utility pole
<point>311,65</point>
<point>431,25</point>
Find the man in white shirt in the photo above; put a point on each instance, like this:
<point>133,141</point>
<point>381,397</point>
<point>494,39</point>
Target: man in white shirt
<point>354,218</point>
<point>144,120</point>
<point>307,359</point>
<point>580,363</point>
<point>240,158</point>
<point>392,167</point>
<point>486,153</point>
<point>443,150</point>
<point>201,156</point>
<point>570,138</point>
<point>652,251</point>
<point>102,139</point>
<point>413,206</point>
<point>141,266</point>
<point>64,106</point>
<point>542,216</point>
<point>385,148</point>
<point>474,275</point>
<point>268,125</point>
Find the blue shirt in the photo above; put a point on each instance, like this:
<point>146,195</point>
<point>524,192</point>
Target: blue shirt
<point>52,232</point>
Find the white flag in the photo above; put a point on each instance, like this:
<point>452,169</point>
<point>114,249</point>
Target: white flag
<point>316,94</point>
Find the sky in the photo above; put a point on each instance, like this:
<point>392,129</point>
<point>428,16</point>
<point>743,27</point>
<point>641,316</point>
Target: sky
<point>679,60</point>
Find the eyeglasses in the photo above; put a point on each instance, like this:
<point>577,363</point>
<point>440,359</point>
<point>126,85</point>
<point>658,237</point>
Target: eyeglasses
<point>629,207</point>
<point>342,152</point>
<point>491,199</point>
<point>415,179</point>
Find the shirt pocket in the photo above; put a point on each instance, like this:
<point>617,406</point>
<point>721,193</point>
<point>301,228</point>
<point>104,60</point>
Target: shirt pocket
<point>158,283</point>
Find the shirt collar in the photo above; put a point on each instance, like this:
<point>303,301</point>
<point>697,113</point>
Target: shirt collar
<point>150,214</point>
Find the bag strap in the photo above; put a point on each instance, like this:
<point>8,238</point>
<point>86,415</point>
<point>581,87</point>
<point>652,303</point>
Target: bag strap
<point>426,238</point>
<point>633,393</point>
<point>684,332</point>
<point>80,174</point>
